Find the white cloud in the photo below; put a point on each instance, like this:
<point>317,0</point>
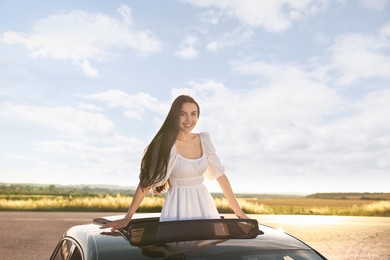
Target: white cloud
<point>317,118</point>
<point>374,115</point>
<point>134,105</point>
<point>112,150</point>
<point>288,92</point>
<point>188,48</point>
<point>86,67</point>
<point>359,143</point>
<point>288,123</point>
<point>82,37</point>
<point>270,15</point>
<point>323,39</point>
<point>360,56</point>
<point>288,128</point>
<point>126,14</point>
<point>294,129</point>
<point>74,147</point>
<point>116,156</point>
<point>89,107</point>
<point>374,4</point>
<point>228,39</point>
<point>63,119</point>
<point>385,30</point>
<point>210,17</point>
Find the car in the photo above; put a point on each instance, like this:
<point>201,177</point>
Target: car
<point>147,238</point>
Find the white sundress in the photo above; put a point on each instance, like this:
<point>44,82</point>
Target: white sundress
<point>187,197</point>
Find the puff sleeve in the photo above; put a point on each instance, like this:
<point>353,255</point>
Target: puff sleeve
<point>215,168</point>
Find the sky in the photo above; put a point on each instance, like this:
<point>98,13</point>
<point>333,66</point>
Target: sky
<point>294,93</point>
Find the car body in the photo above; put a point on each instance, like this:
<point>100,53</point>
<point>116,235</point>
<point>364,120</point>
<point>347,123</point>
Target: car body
<point>147,238</point>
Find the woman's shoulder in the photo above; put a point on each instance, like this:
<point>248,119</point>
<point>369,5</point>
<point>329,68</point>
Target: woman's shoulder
<point>205,139</point>
<point>204,135</point>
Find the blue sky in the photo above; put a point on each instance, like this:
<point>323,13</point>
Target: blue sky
<point>295,94</point>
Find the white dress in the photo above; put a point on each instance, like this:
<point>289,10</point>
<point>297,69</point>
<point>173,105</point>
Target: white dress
<point>187,197</point>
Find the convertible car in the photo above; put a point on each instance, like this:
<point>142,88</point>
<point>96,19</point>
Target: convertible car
<point>147,238</point>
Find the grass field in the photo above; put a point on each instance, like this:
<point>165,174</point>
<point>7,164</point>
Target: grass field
<point>295,206</point>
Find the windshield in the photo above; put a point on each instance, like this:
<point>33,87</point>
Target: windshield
<point>168,252</point>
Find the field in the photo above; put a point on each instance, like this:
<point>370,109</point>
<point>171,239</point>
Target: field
<point>25,197</point>
<point>120,203</point>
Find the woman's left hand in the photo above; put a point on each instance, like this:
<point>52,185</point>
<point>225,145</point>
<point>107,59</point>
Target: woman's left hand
<point>242,215</point>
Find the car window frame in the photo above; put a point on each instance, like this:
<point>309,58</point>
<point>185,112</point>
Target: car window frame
<point>74,245</point>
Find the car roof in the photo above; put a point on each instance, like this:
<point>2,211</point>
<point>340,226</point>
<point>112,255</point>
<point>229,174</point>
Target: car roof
<point>103,244</point>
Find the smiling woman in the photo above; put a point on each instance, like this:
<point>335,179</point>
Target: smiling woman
<point>177,160</point>
<point>83,88</point>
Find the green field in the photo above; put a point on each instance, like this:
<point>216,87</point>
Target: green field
<point>53,198</point>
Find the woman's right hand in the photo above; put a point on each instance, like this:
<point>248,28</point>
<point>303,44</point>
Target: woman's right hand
<point>116,224</point>
<point>242,215</point>
<point>139,195</point>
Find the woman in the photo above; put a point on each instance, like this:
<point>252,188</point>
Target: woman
<point>177,160</point>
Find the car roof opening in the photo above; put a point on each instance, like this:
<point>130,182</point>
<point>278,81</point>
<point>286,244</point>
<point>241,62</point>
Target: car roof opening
<point>152,231</point>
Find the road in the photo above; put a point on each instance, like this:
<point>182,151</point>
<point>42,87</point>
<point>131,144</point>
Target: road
<point>34,235</point>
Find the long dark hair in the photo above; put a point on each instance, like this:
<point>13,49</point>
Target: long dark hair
<point>154,163</point>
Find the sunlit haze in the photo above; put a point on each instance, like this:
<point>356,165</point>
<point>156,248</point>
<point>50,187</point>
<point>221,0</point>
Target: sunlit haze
<point>295,94</point>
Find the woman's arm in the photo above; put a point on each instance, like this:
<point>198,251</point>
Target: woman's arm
<point>139,195</point>
<point>229,195</point>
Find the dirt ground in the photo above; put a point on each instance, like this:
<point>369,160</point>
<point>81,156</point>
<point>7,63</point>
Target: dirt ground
<point>338,237</point>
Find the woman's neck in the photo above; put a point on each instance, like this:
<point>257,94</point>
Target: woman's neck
<point>184,137</point>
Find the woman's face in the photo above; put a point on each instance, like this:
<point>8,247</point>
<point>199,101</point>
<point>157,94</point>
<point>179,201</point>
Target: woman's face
<point>188,117</point>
